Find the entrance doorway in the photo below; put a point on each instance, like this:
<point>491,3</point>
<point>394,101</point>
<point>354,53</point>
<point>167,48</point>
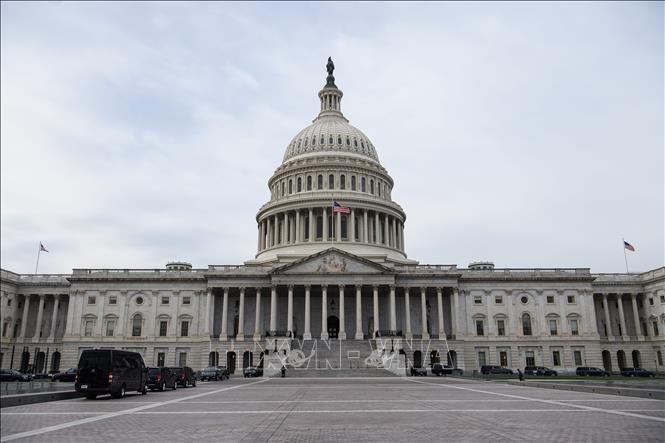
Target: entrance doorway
<point>333,326</point>
<point>417,359</point>
<point>231,362</point>
<point>637,363</point>
<point>247,358</point>
<point>607,361</point>
<point>434,357</point>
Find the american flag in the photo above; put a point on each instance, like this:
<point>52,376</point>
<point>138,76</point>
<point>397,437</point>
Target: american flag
<point>42,247</point>
<point>628,246</point>
<point>339,208</point>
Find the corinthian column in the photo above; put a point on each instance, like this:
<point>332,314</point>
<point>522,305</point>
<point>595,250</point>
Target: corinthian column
<point>289,310</point>
<point>393,314</point>
<point>307,335</point>
<point>40,315</point>
<point>257,316</point>
<point>407,311</point>
<point>608,325</point>
<point>342,320</point>
<point>423,310</point>
<point>324,234</point>
<point>324,312</point>
<point>359,313</point>
<point>311,223</point>
<point>273,310</point>
<point>224,335</point>
<point>439,304</point>
<point>241,316</point>
<point>376,310</point>
<point>352,227</point>
<point>54,316</point>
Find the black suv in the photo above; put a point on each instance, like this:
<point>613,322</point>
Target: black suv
<point>107,371</point>
<point>185,376</point>
<point>591,371</point>
<point>539,370</point>
<point>636,372</point>
<point>439,369</point>
<point>214,373</point>
<point>161,378</point>
<point>487,369</point>
<point>68,375</point>
<point>14,375</point>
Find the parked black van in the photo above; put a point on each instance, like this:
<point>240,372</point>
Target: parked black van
<point>108,371</point>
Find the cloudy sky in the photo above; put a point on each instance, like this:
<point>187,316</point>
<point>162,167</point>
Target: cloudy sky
<point>526,134</point>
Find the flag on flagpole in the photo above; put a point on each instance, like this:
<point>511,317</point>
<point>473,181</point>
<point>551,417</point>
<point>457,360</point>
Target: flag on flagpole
<point>628,246</point>
<point>339,208</point>
<point>42,247</point>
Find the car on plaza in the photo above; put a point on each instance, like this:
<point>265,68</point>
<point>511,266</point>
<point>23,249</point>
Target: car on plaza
<point>161,377</point>
<point>185,376</point>
<point>251,371</point>
<point>439,369</point>
<point>14,375</point>
<point>489,369</point>
<point>110,371</point>
<point>589,371</point>
<point>420,371</point>
<point>211,373</point>
<point>636,372</point>
<point>539,370</point>
<point>226,374</point>
<point>68,375</point>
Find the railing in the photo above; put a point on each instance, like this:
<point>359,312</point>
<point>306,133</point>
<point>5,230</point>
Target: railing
<point>34,278</point>
<point>135,272</point>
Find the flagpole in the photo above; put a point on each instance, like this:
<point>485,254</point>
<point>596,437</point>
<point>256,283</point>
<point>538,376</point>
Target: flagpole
<point>625,258</point>
<point>39,251</point>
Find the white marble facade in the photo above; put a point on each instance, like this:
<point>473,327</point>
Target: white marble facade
<point>338,275</point>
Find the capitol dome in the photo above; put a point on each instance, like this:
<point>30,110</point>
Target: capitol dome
<point>330,190</point>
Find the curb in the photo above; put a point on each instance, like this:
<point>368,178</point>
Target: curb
<point>8,401</point>
<point>610,390</point>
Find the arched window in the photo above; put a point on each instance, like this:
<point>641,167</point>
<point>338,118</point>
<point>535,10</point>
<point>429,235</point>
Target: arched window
<point>299,145</point>
<point>313,140</point>
<point>290,186</point>
<point>339,139</point>
<point>355,143</point>
<point>330,140</point>
<point>342,182</point>
<point>362,143</point>
<point>319,182</point>
<point>348,141</point>
<point>323,140</point>
<point>371,186</point>
<point>353,182</point>
<point>362,184</point>
<point>331,181</point>
<point>305,142</point>
<point>526,324</point>
<point>299,187</point>
<point>137,322</point>
<point>309,182</point>
<point>378,188</point>
<point>282,189</point>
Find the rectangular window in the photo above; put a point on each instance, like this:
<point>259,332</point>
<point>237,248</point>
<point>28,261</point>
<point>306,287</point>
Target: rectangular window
<point>659,355</point>
<point>530,358</point>
<point>574,327</point>
<point>9,301</point>
<point>480,330</point>
<point>162,328</point>
<point>92,300</point>
<point>4,329</point>
<point>113,299</point>
<point>478,299</point>
<point>186,300</point>
<point>165,300</point>
<point>182,359</point>
<point>553,327</point>
<point>88,328</point>
<point>655,328</point>
<point>662,300</point>
<point>501,327</point>
<point>577,356</point>
<point>161,356</point>
<point>184,329</point>
<point>651,301</point>
<point>503,358</point>
<point>550,299</point>
<point>353,182</point>
<point>571,299</point>
<point>110,326</point>
<point>482,361</point>
<point>498,300</point>
<point>556,358</point>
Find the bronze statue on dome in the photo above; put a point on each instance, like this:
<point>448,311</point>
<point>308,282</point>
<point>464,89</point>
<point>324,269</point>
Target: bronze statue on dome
<point>330,67</point>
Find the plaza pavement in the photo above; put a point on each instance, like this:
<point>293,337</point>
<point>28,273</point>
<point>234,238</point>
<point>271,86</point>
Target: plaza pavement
<point>371,409</point>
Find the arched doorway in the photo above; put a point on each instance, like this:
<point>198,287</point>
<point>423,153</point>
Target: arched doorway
<point>434,357</point>
<point>39,362</point>
<point>452,359</point>
<point>25,360</point>
<point>231,362</point>
<point>417,359</point>
<point>55,361</point>
<point>333,326</point>
<point>637,361</point>
<point>213,359</point>
<point>247,359</point>
<point>621,359</point>
<point>607,361</point>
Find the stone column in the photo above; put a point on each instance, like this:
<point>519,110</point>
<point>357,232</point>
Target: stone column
<point>324,234</point>
<point>258,246</point>
<point>308,309</point>
<point>386,231</point>
<point>324,312</point>
<point>273,310</point>
<point>263,234</point>
<point>338,228</point>
<point>289,310</point>
<point>297,236</point>
<point>24,319</point>
<point>342,318</point>
<point>636,316</point>
<point>40,315</point>
<point>69,325</point>
<point>241,316</point>
<point>606,310</point>
<point>401,235</point>
<point>359,312</point>
<point>365,229</point>
<point>257,316</point>
<point>268,233</point>
<point>394,229</point>
<point>377,231</point>
<point>224,334</point>
<point>407,311</point>
<point>622,318</point>
<point>423,311</point>
<point>439,305</point>
<point>453,313</point>
<point>311,225</point>
<point>393,314</point>
<point>54,316</point>
<point>285,229</point>
<point>352,227</point>
<point>376,308</point>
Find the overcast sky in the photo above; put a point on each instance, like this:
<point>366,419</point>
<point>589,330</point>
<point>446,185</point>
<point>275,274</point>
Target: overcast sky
<point>530,135</point>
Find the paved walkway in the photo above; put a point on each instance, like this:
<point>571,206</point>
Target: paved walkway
<point>343,409</point>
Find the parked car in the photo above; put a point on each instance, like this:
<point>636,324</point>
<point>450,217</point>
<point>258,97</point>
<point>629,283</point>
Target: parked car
<point>251,371</point>
<point>225,372</point>
<point>212,373</point>
<point>591,371</point>
<point>108,371</point>
<point>415,372</point>
<point>14,375</point>
<point>636,372</point>
<point>161,378</point>
<point>488,369</point>
<point>439,369</point>
<point>539,370</point>
<point>185,376</point>
<point>68,375</point>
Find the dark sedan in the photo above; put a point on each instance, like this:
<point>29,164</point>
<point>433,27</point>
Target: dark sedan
<point>252,372</point>
<point>14,375</point>
<point>487,369</point>
<point>586,371</point>
<point>68,375</point>
<point>539,370</point>
<point>185,376</point>
<point>439,369</point>
<point>212,373</point>
<point>636,372</point>
<point>415,372</point>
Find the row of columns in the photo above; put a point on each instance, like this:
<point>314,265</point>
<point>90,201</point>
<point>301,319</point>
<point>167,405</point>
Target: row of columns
<point>40,317</point>
<point>324,311</point>
<point>622,318</point>
<point>289,228</point>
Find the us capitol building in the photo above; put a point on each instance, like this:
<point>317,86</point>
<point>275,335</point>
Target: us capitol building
<point>337,281</point>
